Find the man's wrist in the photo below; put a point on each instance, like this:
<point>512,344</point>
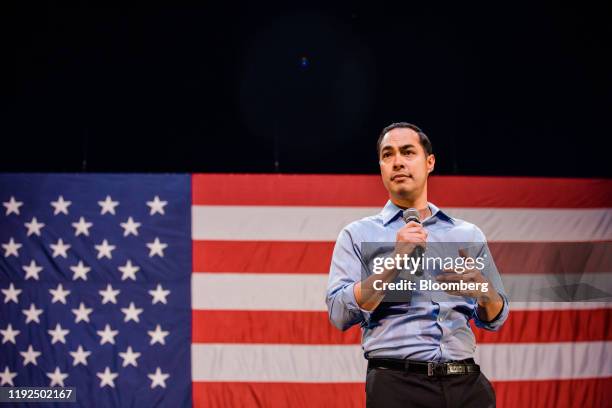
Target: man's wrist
<point>489,297</point>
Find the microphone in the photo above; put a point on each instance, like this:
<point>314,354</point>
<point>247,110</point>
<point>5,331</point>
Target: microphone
<point>412,214</point>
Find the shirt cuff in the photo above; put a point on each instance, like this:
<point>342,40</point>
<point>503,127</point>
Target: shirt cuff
<point>350,302</point>
<point>498,320</point>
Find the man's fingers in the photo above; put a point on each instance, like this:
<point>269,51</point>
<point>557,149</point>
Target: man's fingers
<point>451,276</point>
<point>456,293</point>
<point>451,273</point>
<point>415,236</point>
<point>448,277</point>
<point>414,230</point>
<point>413,226</point>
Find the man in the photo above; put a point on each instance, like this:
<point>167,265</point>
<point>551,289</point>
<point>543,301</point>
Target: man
<point>420,353</point>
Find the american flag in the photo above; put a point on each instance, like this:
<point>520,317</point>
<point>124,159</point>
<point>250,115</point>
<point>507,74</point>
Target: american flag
<point>245,259</point>
<point>96,276</point>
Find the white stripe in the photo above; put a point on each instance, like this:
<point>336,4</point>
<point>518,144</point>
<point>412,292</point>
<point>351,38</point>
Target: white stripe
<point>306,292</point>
<point>526,306</point>
<point>288,223</point>
<point>557,287</point>
<point>325,364</point>
<point>545,361</point>
<point>534,224</point>
<point>273,223</point>
<point>277,363</point>
<point>251,291</point>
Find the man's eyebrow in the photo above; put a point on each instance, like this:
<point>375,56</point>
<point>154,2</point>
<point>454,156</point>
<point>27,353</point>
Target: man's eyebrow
<point>388,147</point>
<point>406,146</point>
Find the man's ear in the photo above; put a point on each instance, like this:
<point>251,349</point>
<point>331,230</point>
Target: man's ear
<point>431,162</point>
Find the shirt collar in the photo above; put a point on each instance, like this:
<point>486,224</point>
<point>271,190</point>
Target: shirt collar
<point>438,213</point>
<point>391,211</point>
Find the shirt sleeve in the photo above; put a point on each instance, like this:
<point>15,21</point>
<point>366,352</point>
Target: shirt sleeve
<point>492,274</point>
<point>345,271</point>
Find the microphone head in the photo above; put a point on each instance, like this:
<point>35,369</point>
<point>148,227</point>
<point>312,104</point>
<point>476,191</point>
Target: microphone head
<point>411,214</point>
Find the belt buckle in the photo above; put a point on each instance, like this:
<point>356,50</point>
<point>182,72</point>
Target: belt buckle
<point>436,369</point>
<point>454,369</point>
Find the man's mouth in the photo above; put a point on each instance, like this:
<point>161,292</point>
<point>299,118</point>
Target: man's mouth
<point>400,177</point>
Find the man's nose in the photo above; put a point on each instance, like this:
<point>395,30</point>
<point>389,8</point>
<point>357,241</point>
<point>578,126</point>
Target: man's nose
<point>398,162</point>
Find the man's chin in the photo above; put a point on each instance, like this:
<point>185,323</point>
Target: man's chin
<point>403,191</point>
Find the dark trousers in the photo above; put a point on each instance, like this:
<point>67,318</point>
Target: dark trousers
<point>387,388</point>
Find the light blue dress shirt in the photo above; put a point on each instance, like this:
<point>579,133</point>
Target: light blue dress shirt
<point>424,329</point>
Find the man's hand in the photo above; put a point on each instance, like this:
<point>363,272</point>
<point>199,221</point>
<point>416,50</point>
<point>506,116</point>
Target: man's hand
<point>490,302</point>
<point>409,237</point>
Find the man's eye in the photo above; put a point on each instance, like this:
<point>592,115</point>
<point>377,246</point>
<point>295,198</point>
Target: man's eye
<point>385,155</point>
<point>408,152</point>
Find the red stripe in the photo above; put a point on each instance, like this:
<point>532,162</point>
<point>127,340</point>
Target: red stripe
<point>282,327</point>
<point>314,257</point>
<point>592,393</point>
<point>552,257</point>
<point>268,327</point>
<point>583,393</point>
<point>282,395</point>
<point>262,256</point>
<point>368,191</point>
<point>543,326</point>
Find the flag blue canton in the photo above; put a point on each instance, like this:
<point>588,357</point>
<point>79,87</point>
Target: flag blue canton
<point>95,272</point>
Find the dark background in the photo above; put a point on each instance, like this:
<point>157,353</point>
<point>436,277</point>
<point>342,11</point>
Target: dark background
<point>514,90</point>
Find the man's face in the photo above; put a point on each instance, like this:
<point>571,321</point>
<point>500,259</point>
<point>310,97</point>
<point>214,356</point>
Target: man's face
<point>404,164</point>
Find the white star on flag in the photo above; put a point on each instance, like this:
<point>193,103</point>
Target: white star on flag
<point>11,294</point>
<point>156,248</point>
<point>158,335</point>
<point>79,356</point>
<point>81,227</point>
<point>57,377</point>
<point>131,313</point>
<point>107,378</point>
<point>104,250</point>
<point>11,248</point>
<point>9,334</point>
<point>157,206</point>
<point>34,227</point>
<point>7,376</point>
<point>130,227</point>
<point>158,378</point>
<point>32,270</point>
<point>159,294</point>
<point>32,314</point>
<point>60,249</point>
<point>30,356</point>
<point>60,206</point>
<point>109,295</point>
<point>82,313</point>
<point>80,271</point>
<point>58,334</point>
<point>128,271</point>
<point>59,294</point>
<point>107,335</point>
<point>108,205</point>
<point>12,206</point>
<point>129,357</point>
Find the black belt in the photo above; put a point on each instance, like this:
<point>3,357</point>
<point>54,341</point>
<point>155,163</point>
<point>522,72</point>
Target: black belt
<point>430,368</point>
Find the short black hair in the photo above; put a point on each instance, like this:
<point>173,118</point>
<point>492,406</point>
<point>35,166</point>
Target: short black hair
<point>423,139</point>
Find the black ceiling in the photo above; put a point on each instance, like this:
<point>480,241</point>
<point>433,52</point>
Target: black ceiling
<point>514,90</point>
